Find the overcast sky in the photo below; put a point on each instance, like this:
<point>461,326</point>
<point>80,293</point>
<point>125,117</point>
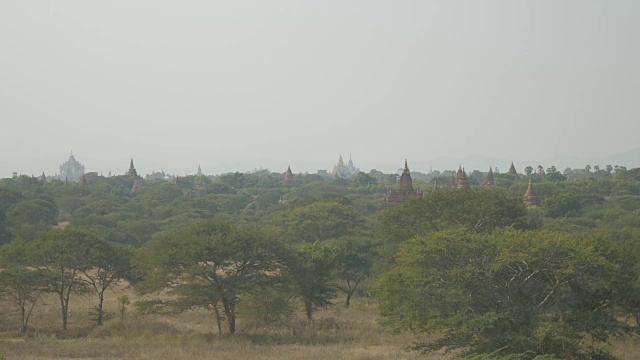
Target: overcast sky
<point>236,85</point>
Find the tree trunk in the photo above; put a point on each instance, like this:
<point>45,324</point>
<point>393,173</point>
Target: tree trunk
<point>348,301</point>
<point>218,320</point>
<point>308,306</point>
<point>229,307</point>
<point>23,322</point>
<point>65,313</point>
<point>99,309</point>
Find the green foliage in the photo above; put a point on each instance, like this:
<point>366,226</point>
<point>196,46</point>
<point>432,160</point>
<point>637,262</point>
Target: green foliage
<point>540,292</point>
<point>364,179</point>
<point>563,204</point>
<point>318,221</point>
<point>268,306</point>
<point>478,210</point>
<point>107,264</point>
<point>60,256</point>
<point>312,270</point>
<point>207,264</point>
<point>22,286</point>
<point>353,263</point>
<point>123,301</point>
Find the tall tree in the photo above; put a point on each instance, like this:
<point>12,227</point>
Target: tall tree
<point>312,270</point>
<point>107,263</point>
<point>24,287</point>
<point>209,263</point>
<point>61,255</point>
<point>354,262</point>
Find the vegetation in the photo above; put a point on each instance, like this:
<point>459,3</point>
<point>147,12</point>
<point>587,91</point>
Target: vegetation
<point>469,273</point>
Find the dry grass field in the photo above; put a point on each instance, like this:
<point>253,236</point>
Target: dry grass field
<point>337,333</point>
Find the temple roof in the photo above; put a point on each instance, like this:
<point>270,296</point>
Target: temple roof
<point>512,170</point>
<point>406,183</point>
<point>463,181</point>
<point>489,180</point>
<point>288,175</point>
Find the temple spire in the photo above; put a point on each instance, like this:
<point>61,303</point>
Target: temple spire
<point>288,175</point>
<point>490,179</point>
<point>530,197</point>
<point>406,183</point>
<point>132,170</point>
<point>463,181</point>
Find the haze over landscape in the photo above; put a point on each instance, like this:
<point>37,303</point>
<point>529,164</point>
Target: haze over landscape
<point>235,86</point>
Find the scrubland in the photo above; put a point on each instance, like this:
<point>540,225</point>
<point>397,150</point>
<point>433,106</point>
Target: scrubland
<point>335,333</point>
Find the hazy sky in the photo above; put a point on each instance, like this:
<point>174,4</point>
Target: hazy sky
<point>234,85</point>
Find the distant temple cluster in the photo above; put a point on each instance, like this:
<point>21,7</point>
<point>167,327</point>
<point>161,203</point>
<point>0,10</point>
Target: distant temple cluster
<point>340,170</point>
<point>72,171</point>
<point>458,180</point>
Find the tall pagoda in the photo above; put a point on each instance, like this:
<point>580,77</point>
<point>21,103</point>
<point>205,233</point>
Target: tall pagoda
<point>490,179</point>
<point>463,181</point>
<point>132,171</point>
<point>288,175</point>
<point>405,189</point>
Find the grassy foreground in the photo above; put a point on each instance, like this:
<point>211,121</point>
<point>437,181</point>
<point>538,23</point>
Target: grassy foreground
<point>337,333</point>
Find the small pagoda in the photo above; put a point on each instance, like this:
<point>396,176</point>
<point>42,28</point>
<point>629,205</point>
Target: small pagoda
<point>288,175</point>
<point>463,180</point>
<point>132,171</point>
<point>530,197</point>
<point>490,179</point>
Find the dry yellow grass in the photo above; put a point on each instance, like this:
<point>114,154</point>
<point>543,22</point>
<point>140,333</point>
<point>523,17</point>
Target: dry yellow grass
<point>338,333</point>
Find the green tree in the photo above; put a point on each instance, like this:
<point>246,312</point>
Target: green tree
<point>60,256</point>
<point>107,263</point>
<point>23,287</point>
<point>207,264</point>
<point>534,292</point>
<point>311,267</point>
<point>354,262</point>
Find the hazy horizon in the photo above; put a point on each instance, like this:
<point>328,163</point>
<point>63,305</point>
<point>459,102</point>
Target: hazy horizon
<point>175,85</point>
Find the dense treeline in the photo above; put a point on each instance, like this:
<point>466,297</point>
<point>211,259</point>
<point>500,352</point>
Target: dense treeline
<point>476,266</point>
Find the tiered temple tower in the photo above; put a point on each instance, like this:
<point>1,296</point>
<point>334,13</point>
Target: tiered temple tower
<point>463,181</point>
<point>132,171</point>
<point>489,180</point>
<point>71,170</point>
<point>404,191</point>
<point>288,175</point>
